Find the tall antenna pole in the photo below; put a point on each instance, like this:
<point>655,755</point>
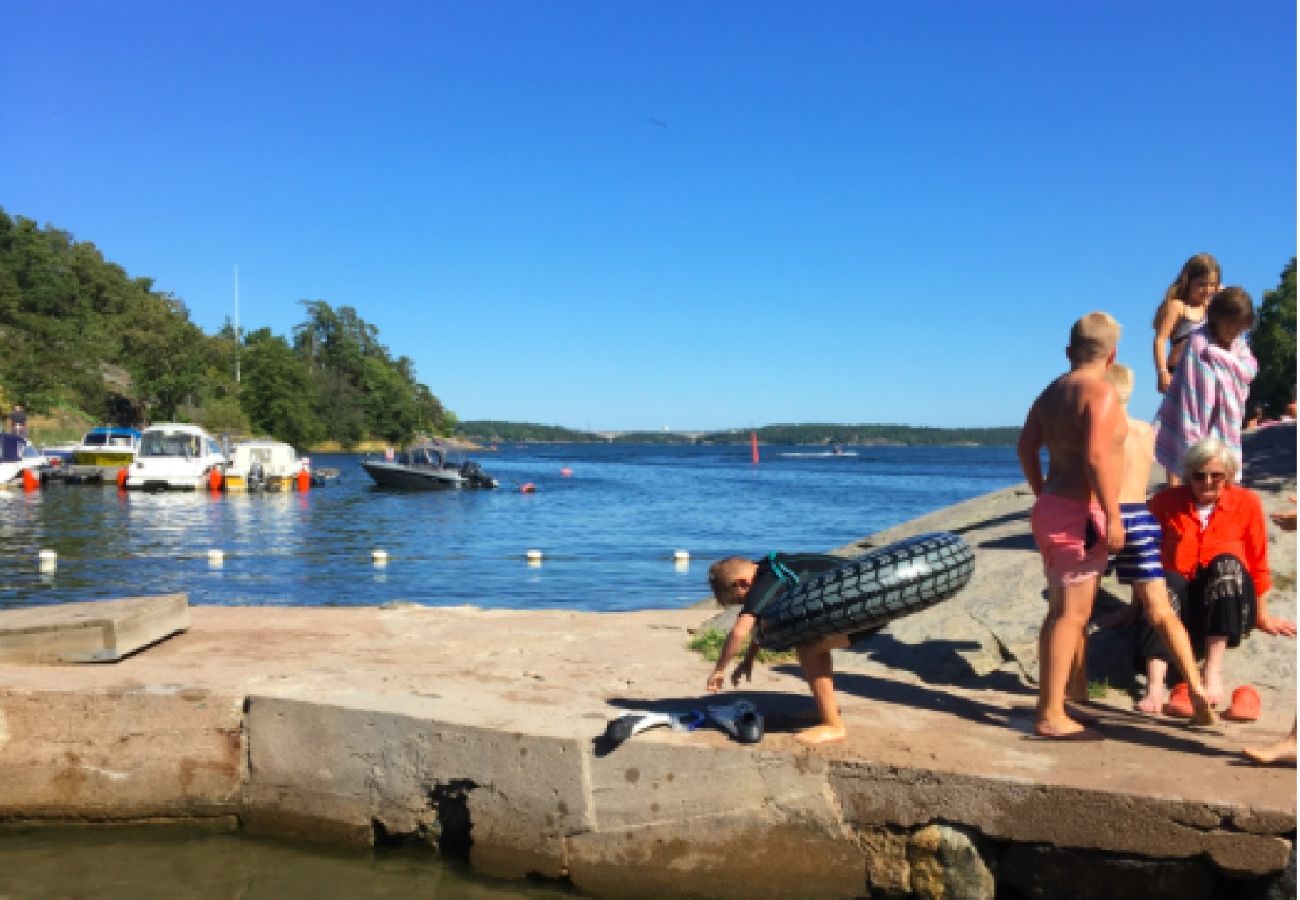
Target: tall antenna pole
<point>236,324</point>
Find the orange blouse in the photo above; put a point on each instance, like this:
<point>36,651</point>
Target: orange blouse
<point>1236,526</point>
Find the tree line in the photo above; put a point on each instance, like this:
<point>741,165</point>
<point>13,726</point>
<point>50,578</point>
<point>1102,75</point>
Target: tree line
<point>508,432</point>
<point>79,332</point>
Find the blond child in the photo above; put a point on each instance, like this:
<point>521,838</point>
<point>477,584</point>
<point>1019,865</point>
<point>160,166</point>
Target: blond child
<point>1138,564</point>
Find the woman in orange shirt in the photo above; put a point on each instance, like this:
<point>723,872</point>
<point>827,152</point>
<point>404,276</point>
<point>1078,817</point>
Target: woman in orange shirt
<point>1215,554</point>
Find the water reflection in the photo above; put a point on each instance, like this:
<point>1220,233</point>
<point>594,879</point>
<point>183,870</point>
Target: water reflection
<point>169,863</point>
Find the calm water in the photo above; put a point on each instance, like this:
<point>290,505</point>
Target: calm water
<point>608,531</point>
<point>165,863</point>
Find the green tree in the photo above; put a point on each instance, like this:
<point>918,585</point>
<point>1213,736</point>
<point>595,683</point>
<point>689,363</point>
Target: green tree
<point>1273,342</point>
<point>277,391</point>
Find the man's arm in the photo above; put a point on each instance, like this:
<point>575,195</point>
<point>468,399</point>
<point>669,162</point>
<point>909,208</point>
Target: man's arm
<point>1105,424</point>
<point>1031,441</point>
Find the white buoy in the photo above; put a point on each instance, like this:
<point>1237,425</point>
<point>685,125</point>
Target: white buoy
<point>48,560</point>
<point>681,555</point>
<point>533,555</point>
<point>379,557</point>
<point>216,557</point>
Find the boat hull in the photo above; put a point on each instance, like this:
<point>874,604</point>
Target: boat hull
<point>412,478</point>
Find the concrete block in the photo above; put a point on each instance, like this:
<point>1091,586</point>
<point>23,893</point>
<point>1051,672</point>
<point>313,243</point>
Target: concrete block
<point>97,631</point>
<point>1061,816</point>
<point>722,855</point>
<point>127,754</point>
<point>377,762</point>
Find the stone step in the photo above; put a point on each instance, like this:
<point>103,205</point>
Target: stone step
<point>96,631</point>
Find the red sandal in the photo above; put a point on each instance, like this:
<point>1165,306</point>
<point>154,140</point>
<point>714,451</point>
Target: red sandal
<point>1245,705</point>
<point>1180,702</point>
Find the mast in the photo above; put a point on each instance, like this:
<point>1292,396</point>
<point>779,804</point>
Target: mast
<point>236,324</point>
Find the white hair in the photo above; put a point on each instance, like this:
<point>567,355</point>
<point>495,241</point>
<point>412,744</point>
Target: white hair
<point>1210,449</point>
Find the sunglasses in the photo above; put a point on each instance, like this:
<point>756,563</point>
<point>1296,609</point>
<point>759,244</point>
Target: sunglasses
<point>1215,477</point>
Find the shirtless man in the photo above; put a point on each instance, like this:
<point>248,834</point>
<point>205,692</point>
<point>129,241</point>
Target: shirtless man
<point>1138,564</point>
<point>1076,518</point>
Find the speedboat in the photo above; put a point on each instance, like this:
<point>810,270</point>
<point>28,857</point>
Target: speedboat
<point>264,465</point>
<point>102,453</point>
<point>427,467</point>
<point>176,455</point>
<point>17,455</point>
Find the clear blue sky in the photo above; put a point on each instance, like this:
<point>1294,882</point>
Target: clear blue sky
<point>686,214</point>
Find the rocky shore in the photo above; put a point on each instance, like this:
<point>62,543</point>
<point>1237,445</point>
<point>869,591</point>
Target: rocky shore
<point>475,731</point>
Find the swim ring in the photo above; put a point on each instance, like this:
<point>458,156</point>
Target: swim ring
<point>868,592</point>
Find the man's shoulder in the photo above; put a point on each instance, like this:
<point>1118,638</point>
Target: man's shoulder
<point>1140,429</point>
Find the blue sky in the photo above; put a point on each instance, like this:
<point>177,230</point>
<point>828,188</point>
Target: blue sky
<point>687,214</point>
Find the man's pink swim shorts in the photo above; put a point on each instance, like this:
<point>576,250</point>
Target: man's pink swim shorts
<point>1071,536</point>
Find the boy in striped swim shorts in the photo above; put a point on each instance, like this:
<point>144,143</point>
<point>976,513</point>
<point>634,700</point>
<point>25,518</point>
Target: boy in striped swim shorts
<point>1139,566</point>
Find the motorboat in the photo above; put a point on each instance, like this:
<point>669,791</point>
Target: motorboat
<point>102,453</point>
<point>178,456</point>
<point>17,455</point>
<point>427,467</point>
<point>264,465</point>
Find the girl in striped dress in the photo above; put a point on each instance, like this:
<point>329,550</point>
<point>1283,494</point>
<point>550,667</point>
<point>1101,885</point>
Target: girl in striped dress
<point>1207,396</point>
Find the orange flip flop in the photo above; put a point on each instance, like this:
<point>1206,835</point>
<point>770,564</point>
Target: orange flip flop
<point>1245,705</point>
<point>1180,702</point>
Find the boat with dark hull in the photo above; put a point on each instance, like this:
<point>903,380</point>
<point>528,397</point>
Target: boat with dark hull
<point>427,467</point>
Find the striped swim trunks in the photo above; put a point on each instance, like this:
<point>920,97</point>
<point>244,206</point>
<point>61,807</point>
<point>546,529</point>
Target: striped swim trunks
<point>1140,558</point>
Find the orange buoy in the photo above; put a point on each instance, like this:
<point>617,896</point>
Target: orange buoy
<point>566,472</point>
<point>121,477</point>
<point>304,479</point>
<point>31,481</point>
<point>527,488</point>
<point>214,479</point>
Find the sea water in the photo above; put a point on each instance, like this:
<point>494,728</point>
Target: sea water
<point>611,527</point>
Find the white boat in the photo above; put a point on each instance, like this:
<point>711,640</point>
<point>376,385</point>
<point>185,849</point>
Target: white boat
<point>175,455</point>
<point>18,454</point>
<point>264,465</point>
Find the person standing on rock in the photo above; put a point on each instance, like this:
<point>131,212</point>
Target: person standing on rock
<point>1076,517</point>
<point>1138,564</point>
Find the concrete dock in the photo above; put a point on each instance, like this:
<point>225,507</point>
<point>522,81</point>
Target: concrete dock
<point>476,731</point>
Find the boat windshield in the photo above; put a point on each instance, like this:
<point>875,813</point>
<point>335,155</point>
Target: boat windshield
<point>159,444</point>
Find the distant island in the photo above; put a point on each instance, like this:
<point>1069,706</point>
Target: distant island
<point>492,431</point>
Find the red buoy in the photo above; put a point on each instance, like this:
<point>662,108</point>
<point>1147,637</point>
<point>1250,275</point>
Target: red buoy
<point>121,478</point>
<point>214,479</point>
<point>527,488</point>
<point>304,479</point>
<point>31,481</point>
<point>566,472</point>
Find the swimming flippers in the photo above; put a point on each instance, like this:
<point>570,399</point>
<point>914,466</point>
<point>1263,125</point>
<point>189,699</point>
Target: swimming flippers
<point>740,720</point>
<point>628,724</point>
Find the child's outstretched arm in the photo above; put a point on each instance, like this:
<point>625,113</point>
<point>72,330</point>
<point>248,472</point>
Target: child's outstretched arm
<point>739,633</point>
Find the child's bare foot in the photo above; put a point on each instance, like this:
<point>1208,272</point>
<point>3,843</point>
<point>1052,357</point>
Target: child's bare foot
<point>821,734</point>
<point>1280,754</point>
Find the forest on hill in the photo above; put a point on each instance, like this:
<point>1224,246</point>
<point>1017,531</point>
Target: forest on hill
<point>80,334</point>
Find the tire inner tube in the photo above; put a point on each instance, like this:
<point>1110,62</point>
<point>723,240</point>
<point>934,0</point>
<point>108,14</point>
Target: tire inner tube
<point>868,592</point>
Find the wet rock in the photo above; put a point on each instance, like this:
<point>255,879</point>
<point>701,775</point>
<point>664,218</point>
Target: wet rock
<point>947,865</point>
